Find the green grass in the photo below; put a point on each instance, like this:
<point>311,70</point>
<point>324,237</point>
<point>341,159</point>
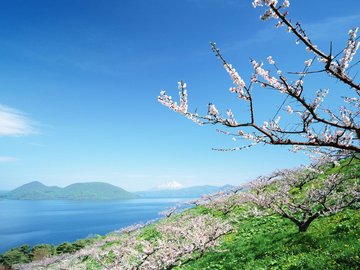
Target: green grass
<point>274,243</point>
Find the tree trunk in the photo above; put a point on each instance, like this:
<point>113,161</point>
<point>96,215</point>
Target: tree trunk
<point>303,226</point>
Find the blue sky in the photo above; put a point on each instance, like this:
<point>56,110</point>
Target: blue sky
<point>79,81</point>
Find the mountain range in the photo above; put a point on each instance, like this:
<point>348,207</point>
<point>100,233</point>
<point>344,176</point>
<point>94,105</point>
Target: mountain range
<point>79,191</point>
<point>101,191</point>
<point>188,192</point>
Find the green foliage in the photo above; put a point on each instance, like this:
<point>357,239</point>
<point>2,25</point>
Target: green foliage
<point>110,257</point>
<point>41,251</point>
<point>72,247</point>
<point>79,244</point>
<point>92,264</point>
<point>25,253</point>
<point>110,244</point>
<point>65,248</point>
<point>150,233</point>
<point>16,255</point>
<point>202,210</point>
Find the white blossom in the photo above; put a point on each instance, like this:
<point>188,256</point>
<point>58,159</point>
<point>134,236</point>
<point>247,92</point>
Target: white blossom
<point>270,60</point>
<point>237,80</point>
<point>212,110</point>
<point>232,121</point>
<point>308,62</point>
<point>350,50</point>
<point>286,3</point>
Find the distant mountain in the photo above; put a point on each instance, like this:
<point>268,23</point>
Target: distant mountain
<point>189,192</point>
<point>96,191</point>
<point>80,191</point>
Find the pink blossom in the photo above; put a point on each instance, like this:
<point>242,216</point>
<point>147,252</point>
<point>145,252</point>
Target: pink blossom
<point>289,109</point>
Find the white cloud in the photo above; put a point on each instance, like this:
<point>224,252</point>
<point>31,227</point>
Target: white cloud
<point>14,122</point>
<point>7,159</point>
<point>171,185</point>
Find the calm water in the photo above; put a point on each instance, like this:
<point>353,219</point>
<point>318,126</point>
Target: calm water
<point>34,222</point>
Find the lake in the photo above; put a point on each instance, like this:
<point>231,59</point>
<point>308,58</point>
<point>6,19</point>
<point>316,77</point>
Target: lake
<point>54,222</point>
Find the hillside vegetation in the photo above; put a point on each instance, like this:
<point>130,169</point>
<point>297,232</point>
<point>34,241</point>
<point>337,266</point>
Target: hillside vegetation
<point>223,232</point>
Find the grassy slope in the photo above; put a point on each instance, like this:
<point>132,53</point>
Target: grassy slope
<point>262,243</point>
<point>274,243</point>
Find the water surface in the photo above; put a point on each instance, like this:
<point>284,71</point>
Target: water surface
<point>54,222</point>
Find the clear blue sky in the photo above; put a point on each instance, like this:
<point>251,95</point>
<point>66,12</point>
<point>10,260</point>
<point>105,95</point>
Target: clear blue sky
<point>79,81</point>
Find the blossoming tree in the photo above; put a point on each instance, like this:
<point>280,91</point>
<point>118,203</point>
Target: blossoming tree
<point>315,126</point>
<point>163,246</point>
<point>302,195</point>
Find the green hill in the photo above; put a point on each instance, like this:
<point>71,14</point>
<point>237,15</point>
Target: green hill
<point>95,191</point>
<point>79,191</point>
<point>32,191</point>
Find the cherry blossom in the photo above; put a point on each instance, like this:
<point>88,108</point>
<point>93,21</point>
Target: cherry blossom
<point>315,127</point>
<point>322,195</point>
<point>180,238</point>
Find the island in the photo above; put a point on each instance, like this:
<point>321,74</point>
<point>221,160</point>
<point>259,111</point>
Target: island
<point>78,191</point>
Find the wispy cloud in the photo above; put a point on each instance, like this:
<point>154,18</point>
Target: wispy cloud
<point>7,159</point>
<point>334,27</point>
<point>14,123</point>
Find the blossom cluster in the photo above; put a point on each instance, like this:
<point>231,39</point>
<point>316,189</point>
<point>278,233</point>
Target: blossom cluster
<point>269,13</point>
<point>168,101</point>
<point>350,50</point>
<point>237,80</point>
<point>212,111</point>
<point>320,95</point>
<point>174,240</point>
